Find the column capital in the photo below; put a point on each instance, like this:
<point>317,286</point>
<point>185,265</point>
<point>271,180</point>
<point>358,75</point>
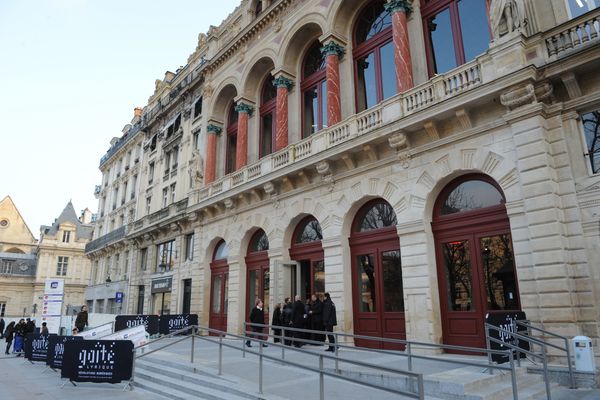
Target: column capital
<point>242,107</point>
<point>212,128</point>
<point>394,6</point>
<point>283,82</point>
<point>332,48</point>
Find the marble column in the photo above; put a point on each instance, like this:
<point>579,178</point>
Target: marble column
<point>283,86</point>
<point>332,52</point>
<point>210,167</point>
<point>402,60</point>
<point>241,153</point>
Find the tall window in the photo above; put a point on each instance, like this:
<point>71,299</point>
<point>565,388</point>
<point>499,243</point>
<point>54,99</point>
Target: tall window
<point>144,258</point>
<point>61,267</point>
<point>165,197</point>
<point>456,31</point>
<point>148,204</point>
<point>268,104</point>
<point>167,162</point>
<point>374,56</point>
<point>580,7</point>
<point>591,131</point>
<point>150,173</point>
<point>165,256</point>
<point>258,8</point>
<point>198,108</point>
<point>2,309</point>
<point>314,91</point>
<point>126,263</point>
<point>66,236</point>
<point>232,124</point>
<point>172,193</point>
<point>6,267</point>
<point>189,247</point>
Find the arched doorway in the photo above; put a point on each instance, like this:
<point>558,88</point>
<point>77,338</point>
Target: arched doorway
<point>307,250</point>
<point>219,287</point>
<point>475,258</point>
<point>377,291</point>
<point>257,273</point>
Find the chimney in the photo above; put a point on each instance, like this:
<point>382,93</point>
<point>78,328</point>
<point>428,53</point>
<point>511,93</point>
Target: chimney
<point>137,112</point>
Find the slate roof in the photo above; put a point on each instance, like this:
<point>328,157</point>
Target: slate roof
<point>68,215</point>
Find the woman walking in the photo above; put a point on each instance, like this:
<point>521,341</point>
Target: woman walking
<point>9,334</point>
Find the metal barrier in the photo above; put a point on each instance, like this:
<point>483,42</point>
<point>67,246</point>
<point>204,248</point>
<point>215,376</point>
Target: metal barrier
<point>412,377</point>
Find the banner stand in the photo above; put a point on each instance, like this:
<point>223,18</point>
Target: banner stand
<point>128,384</point>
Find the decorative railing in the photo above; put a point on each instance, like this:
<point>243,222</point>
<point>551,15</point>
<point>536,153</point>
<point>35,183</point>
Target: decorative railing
<point>303,148</point>
<point>368,120</point>
<point>131,133</point>
<point>106,240</point>
<point>574,34</point>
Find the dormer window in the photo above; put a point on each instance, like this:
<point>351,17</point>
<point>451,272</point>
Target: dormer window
<point>66,236</point>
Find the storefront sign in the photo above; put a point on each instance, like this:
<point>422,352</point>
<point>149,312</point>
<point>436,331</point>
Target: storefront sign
<point>161,285</point>
<point>150,322</point>
<point>36,347</point>
<point>172,323</point>
<point>56,349</point>
<point>507,321</point>
<point>98,361</point>
<point>137,335</point>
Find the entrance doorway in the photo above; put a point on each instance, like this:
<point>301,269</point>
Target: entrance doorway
<point>377,290</point>
<point>187,296</point>
<point>475,258</point>
<point>257,277</point>
<point>219,278</point>
<point>308,276</point>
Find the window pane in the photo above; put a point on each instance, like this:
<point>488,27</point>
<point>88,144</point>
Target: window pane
<point>231,150</point>
<point>499,272</point>
<point>458,276</point>
<point>580,7</point>
<point>367,91</point>
<point>314,60</point>
<point>474,27</point>
<point>310,111</point>
<point>366,283</point>
<point>226,294</point>
<point>471,195</point>
<point>216,298</point>
<point>253,288</point>
<point>319,278</point>
<point>259,242</point>
<point>388,70</point>
<point>378,216</point>
<point>310,232</point>
<point>266,139</point>
<point>373,20</point>
<point>222,251</point>
<point>265,294</point>
<point>393,294</point>
<point>591,128</point>
<point>442,41</point>
<point>324,105</point>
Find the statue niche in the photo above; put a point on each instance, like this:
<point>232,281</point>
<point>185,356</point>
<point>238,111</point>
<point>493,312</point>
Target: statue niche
<point>506,17</point>
<point>196,169</point>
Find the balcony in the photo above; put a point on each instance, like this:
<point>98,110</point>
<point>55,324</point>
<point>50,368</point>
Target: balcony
<point>161,215</point>
<point>106,240</point>
<point>120,143</point>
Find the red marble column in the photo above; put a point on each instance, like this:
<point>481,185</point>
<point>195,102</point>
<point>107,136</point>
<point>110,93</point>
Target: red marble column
<point>210,164</point>
<point>283,85</point>
<point>241,151</point>
<point>334,108</point>
<point>402,59</point>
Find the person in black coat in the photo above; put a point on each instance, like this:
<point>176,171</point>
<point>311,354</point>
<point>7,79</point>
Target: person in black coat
<point>286,320</point>
<point>9,335</point>
<point>30,326</point>
<point>298,316</point>
<point>329,320</point>
<point>20,332</point>
<point>277,322</point>
<point>257,316</point>
<point>316,315</point>
<point>82,319</point>
<point>2,323</point>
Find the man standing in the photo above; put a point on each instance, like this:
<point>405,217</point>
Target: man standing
<point>1,328</point>
<point>286,319</point>
<point>257,316</point>
<point>316,313</point>
<point>82,319</point>
<point>298,316</point>
<point>329,320</point>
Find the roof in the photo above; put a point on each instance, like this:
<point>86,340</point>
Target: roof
<point>11,204</point>
<point>69,215</point>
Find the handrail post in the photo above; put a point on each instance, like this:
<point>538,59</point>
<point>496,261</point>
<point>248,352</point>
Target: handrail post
<point>409,352</point>
<point>571,376</point>
<point>244,342</point>
<point>131,381</point>
<point>546,380</point>
<point>321,379</point>
<point>489,347</point>
<point>282,342</point>
<point>220,353</point>
<point>260,369</point>
<point>513,375</point>
<point>193,347</point>
<point>336,347</point>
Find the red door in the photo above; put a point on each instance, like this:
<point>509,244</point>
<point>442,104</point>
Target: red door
<point>307,250</point>
<point>257,276</point>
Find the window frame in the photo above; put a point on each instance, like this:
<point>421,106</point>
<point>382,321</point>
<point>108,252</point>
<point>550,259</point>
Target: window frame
<point>231,131</point>
<point>66,237</point>
<point>266,108</point>
<point>309,82</point>
<point>584,144</point>
<point>189,247</point>
<point>62,265</point>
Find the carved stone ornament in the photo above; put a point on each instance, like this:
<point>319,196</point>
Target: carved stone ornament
<point>187,113</point>
<point>506,17</point>
<point>283,82</point>
<point>228,204</point>
<point>332,48</point>
<point>244,108</point>
<point>196,169</point>
<point>214,129</point>
<point>269,188</point>
<point>398,5</point>
<point>398,141</point>
<point>528,94</point>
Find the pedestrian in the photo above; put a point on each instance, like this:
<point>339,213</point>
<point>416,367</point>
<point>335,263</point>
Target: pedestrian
<point>307,321</point>
<point>30,326</point>
<point>20,332</point>
<point>276,322</point>
<point>1,328</point>
<point>44,330</point>
<point>316,314</point>
<point>286,320</point>
<point>298,314</point>
<point>257,316</point>
<point>9,334</point>
<point>82,319</point>
<point>74,332</point>
<point>329,320</point>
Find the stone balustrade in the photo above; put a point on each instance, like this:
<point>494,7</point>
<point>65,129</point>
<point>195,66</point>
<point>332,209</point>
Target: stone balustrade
<point>573,34</point>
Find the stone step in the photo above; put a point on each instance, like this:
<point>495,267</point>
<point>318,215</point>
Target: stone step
<point>167,360</point>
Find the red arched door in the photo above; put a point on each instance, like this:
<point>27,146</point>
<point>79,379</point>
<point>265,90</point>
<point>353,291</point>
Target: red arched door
<point>257,275</point>
<point>306,249</point>
<point>219,287</point>
<point>377,292</point>
<point>475,258</point>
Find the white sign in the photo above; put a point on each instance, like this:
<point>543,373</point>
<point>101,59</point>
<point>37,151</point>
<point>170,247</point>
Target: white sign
<point>97,333</point>
<point>52,303</point>
<point>137,335</point>
<point>54,287</point>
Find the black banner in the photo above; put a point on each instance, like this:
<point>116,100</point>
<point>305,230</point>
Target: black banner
<point>98,361</point>
<point>36,347</point>
<point>175,322</point>
<point>506,320</point>
<point>129,321</point>
<point>56,349</point>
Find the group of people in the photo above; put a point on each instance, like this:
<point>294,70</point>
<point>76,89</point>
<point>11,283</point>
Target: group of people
<point>314,315</point>
<point>17,332</point>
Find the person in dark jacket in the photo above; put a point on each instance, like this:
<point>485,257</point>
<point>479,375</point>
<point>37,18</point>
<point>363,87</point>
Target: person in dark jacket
<point>44,330</point>
<point>316,315</point>
<point>329,320</point>
<point>298,315</point>
<point>9,334</point>
<point>257,316</point>
<point>82,319</point>
<point>30,326</point>
<point>276,322</point>
<point>286,320</point>
<point>20,332</point>
<point>2,324</point>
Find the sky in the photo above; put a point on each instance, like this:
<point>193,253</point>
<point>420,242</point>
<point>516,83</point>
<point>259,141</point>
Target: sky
<point>71,73</point>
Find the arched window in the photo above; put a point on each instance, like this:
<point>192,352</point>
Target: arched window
<point>374,56</point>
<point>221,252</point>
<point>232,124</point>
<point>471,195</point>
<point>258,8</point>
<point>456,31</point>
<point>258,242</point>
<point>309,230</point>
<point>314,91</point>
<point>268,104</point>
<point>378,215</point>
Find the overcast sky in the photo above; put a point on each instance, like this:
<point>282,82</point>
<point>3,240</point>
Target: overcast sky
<point>71,73</point>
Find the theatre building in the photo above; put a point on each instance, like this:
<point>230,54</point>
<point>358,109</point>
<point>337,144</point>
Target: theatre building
<point>424,162</point>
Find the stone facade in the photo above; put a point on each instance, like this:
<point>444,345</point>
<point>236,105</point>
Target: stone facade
<point>511,114</point>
